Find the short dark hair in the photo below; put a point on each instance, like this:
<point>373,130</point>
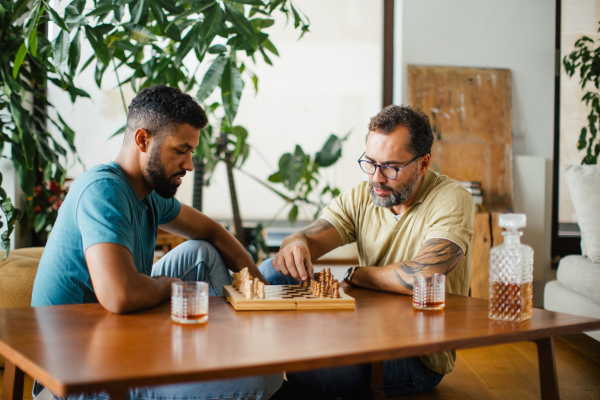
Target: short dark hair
<point>417,123</point>
<point>160,108</point>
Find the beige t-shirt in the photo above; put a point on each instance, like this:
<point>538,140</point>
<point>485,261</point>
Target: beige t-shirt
<point>443,208</point>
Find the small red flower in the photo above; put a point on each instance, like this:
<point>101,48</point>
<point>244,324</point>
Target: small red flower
<point>57,205</point>
<point>54,188</point>
<point>37,190</point>
<point>37,209</point>
<point>52,199</point>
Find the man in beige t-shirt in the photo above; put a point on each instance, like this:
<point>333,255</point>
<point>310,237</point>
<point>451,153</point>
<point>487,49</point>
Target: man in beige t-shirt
<point>405,220</point>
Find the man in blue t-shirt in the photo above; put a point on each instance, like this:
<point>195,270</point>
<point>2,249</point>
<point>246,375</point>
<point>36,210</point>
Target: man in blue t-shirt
<point>102,245</point>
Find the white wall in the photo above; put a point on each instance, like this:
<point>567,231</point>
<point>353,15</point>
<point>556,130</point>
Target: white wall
<point>513,34</point>
<point>327,82</point>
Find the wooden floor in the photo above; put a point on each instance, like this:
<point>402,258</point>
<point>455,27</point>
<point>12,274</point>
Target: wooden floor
<point>508,372</point>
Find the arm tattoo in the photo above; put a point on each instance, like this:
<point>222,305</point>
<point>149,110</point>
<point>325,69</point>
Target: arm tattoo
<point>436,256</point>
<point>316,227</point>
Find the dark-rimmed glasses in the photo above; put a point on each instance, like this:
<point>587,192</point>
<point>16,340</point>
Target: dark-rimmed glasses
<point>387,171</point>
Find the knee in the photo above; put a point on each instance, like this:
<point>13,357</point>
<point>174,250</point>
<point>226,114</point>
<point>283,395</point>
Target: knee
<point>201,246</point>
<point>267,270</point>
<point>269,384</point>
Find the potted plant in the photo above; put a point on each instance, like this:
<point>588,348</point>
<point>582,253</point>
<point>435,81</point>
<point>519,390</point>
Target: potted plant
<point>586,59</point>
<point>148,41</point>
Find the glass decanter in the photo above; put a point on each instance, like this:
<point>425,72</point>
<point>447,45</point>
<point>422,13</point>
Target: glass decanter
<point>511,273</point>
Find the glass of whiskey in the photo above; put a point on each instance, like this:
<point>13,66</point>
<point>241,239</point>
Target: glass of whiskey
<point>429,291</point>
<point>189,302</point>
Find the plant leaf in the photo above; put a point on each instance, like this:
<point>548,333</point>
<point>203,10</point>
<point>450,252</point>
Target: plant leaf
<point>211,78</point>
<point>217,49</point>
<point>252,2</point>
<point>231,90</point>
<point>33,42</point>
<point>140,33</point>
<point>19,60</point>
<point>267,44</point>
<point>75,52</point>
<point>56,18</point>
<point>26,176</point>
<point>330,153</point>
<point>213,23</point>
<point>99,47</point>
<point>293,215</point>
<point>241,24</point>
<point>118,131</point>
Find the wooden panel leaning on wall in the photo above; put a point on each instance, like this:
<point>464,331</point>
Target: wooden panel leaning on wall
<point>487,234</point>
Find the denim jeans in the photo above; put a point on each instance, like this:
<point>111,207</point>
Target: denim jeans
<point>400,376</point>
<point>196,260</point>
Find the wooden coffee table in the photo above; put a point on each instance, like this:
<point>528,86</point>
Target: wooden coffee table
<point>83,348</point>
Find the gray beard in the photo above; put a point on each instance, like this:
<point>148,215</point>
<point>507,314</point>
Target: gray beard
<point>401,195</point>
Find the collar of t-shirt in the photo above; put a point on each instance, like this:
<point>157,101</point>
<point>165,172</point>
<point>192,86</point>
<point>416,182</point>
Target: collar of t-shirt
<point>398,216</point>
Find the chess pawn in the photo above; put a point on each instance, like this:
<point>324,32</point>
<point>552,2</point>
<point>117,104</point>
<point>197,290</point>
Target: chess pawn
<point>336,290</point>
<point>322,290</point>
<point>249,292</point>
<point>255,288</point>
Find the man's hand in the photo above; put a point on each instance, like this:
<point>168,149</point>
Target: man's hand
<point>298,251</point>
<point>192,224</point>
<point>294,260</point>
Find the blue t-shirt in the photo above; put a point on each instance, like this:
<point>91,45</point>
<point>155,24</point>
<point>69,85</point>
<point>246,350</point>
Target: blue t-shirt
<point>101,207</point>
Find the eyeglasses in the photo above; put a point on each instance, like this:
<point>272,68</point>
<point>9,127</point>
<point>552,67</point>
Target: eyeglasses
<point>387,171</point>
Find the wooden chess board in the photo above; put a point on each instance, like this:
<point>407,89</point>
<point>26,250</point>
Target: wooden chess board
<point>287,297</point>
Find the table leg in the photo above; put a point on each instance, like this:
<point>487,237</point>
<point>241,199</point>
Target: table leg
<point>547,365</point>
<point>14,379</point>
<point>377,381</point>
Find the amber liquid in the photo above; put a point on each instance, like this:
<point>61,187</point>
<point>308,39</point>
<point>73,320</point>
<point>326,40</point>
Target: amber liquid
<point>190,319</point>
<point>429,305</point>
<point>511,301</point>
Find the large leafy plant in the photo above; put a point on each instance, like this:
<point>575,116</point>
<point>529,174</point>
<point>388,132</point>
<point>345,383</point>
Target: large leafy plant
<point>143,42</point>
<point>300,180</point>
<point>586,59</point>
<point>25,113</point>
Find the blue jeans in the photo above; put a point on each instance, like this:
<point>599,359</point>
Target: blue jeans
<point>400,376</point>
<point>197,260</point>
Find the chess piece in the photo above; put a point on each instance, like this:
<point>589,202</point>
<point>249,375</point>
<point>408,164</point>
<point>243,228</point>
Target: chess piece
<point>336,290</point>
<point>249,293</point>
<point>255,286</point>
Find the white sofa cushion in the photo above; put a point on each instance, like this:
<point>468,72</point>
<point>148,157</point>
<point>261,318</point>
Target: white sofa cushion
<point>562,299</point>
<point>584,186</point>
<point>581,275</point>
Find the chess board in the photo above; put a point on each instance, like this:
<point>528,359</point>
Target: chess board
<point>286,297</point>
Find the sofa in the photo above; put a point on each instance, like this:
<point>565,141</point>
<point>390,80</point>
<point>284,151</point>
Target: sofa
<point>576,289</point>
<point>17,274</point>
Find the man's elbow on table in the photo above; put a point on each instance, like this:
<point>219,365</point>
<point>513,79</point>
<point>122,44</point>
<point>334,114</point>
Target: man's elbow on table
<point>115,302</point>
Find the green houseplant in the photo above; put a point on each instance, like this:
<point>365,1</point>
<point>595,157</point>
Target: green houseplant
<point>144,42</point>
<point>25,113</point>
<point>586,59</point>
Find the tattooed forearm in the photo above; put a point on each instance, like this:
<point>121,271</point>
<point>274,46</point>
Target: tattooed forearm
<point>406,285</point>
<point>316,227</point>
<point>436,255</point>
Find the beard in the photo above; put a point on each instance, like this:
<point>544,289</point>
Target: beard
<point>397,197</point>
<point>161,183</point>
